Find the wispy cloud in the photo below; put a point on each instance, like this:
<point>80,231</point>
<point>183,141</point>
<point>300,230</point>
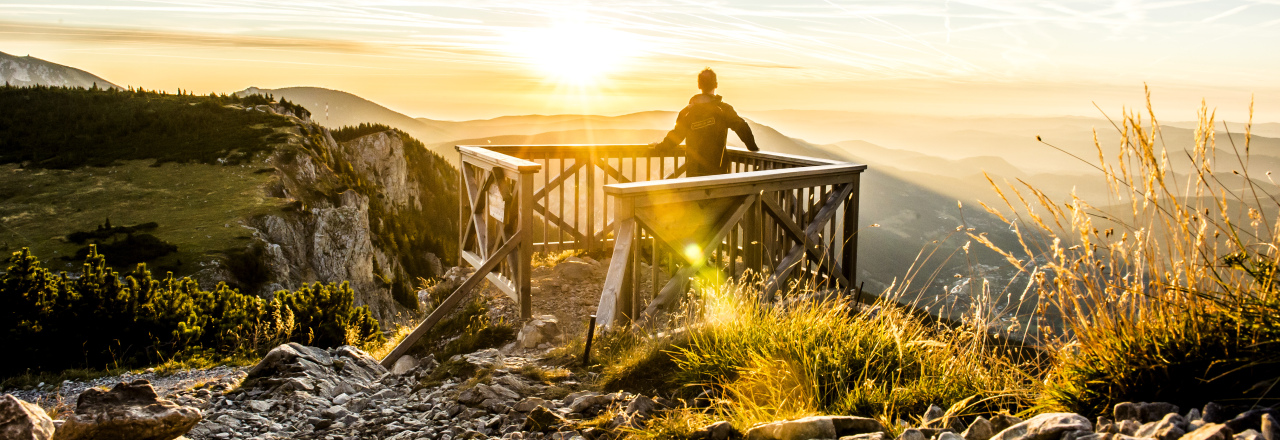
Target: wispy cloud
<point>835,40</point>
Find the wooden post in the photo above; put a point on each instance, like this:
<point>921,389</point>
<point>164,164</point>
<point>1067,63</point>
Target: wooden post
<point>752,230</point>
<point>850,247</point>
<point>524,271</point>
<point>623,208</point>
<point>591,201</point>
<point>464,209</point>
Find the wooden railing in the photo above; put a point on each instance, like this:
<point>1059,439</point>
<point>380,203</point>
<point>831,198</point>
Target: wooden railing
<point>776,215</point>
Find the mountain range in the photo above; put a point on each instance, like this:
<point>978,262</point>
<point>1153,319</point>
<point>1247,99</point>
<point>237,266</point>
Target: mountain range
<point>29,71</point>
<point>925,175</point>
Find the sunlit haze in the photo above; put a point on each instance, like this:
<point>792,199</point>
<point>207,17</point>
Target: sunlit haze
<point>482,59</point>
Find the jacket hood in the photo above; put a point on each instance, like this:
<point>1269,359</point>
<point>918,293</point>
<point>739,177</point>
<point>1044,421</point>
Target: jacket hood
<point>703,98</point>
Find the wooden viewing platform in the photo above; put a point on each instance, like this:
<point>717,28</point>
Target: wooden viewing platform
<point>776,215</point>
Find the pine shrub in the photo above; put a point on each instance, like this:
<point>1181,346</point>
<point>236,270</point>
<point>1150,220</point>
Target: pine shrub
<point>103,319</point>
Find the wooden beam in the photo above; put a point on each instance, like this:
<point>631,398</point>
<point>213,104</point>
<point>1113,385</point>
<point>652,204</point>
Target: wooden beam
<point>825,260</point>
<point>788,263</point>
<point>727,224</point>
<point>849,248</point>
<point>559,222</point>
<point>607,310</point>
<point>451,302</point>
<point>608,169</point>
<point>559,180</point>
<point>524,267</point>
<point>502,283</point>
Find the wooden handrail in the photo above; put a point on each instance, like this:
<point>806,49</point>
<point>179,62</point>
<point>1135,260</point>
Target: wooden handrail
<point>736,184</point>
<point>499,160</point>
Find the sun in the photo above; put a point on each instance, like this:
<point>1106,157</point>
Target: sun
<point>574,51</point>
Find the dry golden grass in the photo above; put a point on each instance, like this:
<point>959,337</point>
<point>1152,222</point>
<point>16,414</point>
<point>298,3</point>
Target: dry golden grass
<point>1172,296</point>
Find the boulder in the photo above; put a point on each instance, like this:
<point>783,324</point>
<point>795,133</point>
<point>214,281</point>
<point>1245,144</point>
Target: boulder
<point>1269,428</point>
<point>826,427</point>
<point>1126,411</point>
<point>912,434</point>
<point>933,416</point>
<point>1171,427</point>
<point>542,329</point>
<point>850,425</point>
<point>1214,413</point>
<point>129,411</point>
<point>870,436</point>
<point>404,365</point>
<point>1248,434</point>
<point>1128,427</point>
<point>1155,411</point>
<point>1210,431</point>
<point>529,404</point>
<point>541,419</point>
<point>799,429</point>
<point>1048,426</point>
<point>1251,419</point>
<point>640,407</point>
<point>1002,421</point>
<point>22,420</point>
<point>980,429</point>
<point>574,270</point>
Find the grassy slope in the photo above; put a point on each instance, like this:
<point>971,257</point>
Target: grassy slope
<point>40,207</point>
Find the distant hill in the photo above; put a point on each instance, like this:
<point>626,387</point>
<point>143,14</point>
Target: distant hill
<point>223,189</point>
<point>31,71</point>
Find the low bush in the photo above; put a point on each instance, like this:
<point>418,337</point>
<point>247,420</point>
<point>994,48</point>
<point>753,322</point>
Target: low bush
<point>103,319</point>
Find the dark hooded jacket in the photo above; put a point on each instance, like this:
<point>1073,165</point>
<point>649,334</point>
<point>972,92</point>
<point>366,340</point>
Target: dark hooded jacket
<point>704,126</point>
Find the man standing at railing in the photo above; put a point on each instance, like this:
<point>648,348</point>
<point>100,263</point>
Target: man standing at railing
<point>704,125</point>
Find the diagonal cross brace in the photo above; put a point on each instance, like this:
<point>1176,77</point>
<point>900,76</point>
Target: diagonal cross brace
<point>789,261</point>
<point>452,301</point>
<point>673,287</point>
<point>825,260</point>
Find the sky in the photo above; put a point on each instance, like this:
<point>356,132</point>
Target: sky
<point>482,59</point>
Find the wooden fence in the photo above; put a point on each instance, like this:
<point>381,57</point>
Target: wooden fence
<point>776,215</point>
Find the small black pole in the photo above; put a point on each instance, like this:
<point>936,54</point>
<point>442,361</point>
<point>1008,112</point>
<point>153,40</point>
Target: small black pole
<point>591,331</point>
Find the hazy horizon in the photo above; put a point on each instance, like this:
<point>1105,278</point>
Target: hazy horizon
<point>496,58</point>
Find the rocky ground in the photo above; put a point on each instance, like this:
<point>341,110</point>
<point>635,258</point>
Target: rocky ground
<point>342,393</point>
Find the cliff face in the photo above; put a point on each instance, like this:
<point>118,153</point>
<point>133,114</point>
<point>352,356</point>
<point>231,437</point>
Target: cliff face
<point>358,214</point>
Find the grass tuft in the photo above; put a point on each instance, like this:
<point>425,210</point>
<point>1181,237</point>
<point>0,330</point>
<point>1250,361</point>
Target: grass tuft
<point>1168,295</point>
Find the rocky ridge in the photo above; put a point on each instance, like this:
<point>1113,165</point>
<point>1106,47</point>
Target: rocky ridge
<point>329,236</point>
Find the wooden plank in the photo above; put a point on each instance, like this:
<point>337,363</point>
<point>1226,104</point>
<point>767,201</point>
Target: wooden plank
<point>474,194</point>
<point>560,223</point>
<point>788,263</point>
<point>778,158</point>
<point>607,310</point>
<point>493,159</point>
<point>611,172</point>
<point>805,240</point>
<point>591,203</point>
<point>502,283</point>
<point>730,185</point>
<point>849,247</point>
<point>726,224</point>
<point>524,271</point>
<point>451,301</point>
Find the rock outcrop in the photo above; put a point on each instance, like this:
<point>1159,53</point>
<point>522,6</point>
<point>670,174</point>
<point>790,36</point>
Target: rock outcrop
<point>129,411</point>
<point>22,420</point>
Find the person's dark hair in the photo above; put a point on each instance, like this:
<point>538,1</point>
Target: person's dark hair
<point>707,80</point>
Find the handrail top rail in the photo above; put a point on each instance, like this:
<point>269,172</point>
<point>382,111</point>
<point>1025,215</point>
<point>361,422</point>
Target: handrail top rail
<point>691,188</point>
<point>500,160</point>
<point>516,162</point>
